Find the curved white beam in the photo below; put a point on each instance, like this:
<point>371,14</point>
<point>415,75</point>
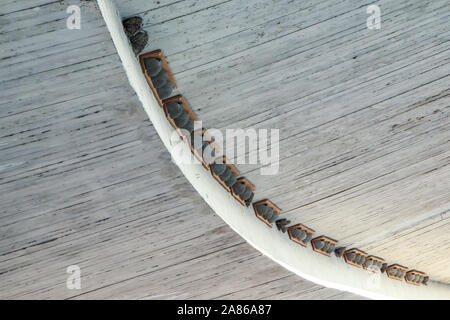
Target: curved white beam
<point>330,272</point>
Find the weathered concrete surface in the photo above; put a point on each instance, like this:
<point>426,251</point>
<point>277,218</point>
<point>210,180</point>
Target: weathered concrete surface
<point>363,114</point>
<point>85,180</point>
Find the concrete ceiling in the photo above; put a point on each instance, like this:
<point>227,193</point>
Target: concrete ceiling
<point>364,151</point>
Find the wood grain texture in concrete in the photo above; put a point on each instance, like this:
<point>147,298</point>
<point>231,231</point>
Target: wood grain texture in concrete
<point>363,114</point>
<point>364,151</point>
<point>85,180</point>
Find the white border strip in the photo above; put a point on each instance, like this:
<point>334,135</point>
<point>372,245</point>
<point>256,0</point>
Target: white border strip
<point>331,272</point>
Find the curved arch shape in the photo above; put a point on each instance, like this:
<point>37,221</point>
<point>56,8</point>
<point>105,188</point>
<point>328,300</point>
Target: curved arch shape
<point>330,272</point>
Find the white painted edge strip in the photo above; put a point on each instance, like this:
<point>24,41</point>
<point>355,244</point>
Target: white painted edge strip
<point>331,272</point>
